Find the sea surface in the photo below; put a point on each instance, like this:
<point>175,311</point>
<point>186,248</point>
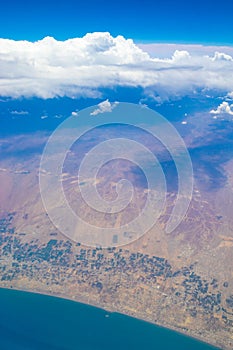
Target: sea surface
<point>31,321</point>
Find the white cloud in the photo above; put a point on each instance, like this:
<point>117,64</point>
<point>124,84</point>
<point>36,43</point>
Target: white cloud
<point>19,112</point>
<point>181,56</point>
<point>103,107</point>
<point>165,50</point>
<point>82,66</point>
<point>74,113</point>
<point>230,95</point>
<point>223,108</point>
<point>219,56</point>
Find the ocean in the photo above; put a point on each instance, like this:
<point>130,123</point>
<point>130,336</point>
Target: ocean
<point>30,321</point>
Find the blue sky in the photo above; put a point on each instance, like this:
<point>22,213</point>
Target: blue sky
<point>192,21</point>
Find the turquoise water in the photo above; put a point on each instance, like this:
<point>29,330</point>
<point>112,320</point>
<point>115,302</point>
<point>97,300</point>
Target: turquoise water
<point>30,321</point>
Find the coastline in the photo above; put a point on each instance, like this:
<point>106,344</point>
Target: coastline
<point>111,310</point>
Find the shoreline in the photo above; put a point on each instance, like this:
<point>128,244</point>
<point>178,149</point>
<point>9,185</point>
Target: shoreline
<point>113,311</point>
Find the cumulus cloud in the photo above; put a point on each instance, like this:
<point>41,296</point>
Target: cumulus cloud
<point>166,50</point>
<point>74,113</point>
<point>104,106</point>
<point>223,108</point>
<point>83,66</point>
<point>220,56</point>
